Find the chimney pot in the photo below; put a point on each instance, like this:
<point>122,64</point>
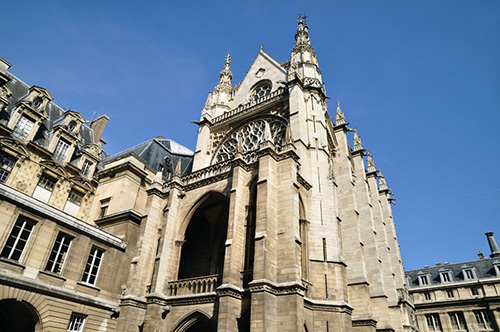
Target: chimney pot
<point>495,251</point>
<point>438,264</point>
<point>480,255</point>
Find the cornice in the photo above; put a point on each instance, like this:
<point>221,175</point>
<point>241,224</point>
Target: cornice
<point>128,215</point>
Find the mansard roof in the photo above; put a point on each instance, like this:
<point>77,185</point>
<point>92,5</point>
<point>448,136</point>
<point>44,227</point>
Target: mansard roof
<point>484,268</point>
<point>159,151</point>
<point>19,91</point>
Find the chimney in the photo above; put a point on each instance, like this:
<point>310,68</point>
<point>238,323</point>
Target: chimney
<point>438,264</point>
<point>480,255</point>
<point>495,252</point>
<point>97,125</point>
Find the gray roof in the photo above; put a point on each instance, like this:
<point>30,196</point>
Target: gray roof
<point>19,91</point>
<point>484,269</point>
<point>159,151</point>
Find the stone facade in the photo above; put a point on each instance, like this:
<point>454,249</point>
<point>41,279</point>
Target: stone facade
<point>458,297</point>
<point>274,223</point>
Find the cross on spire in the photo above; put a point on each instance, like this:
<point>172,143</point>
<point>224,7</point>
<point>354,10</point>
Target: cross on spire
<point>302,18</point>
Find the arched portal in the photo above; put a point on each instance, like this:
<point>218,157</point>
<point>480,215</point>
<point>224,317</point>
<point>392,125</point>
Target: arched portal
<point>203,249</point>
<point>196,322</point>
<point>18,316</point>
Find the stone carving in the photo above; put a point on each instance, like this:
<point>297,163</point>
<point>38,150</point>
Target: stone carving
<point>357,141</point>
<point>339,116</point>
<point>370,164</point>
<point>249,138</point>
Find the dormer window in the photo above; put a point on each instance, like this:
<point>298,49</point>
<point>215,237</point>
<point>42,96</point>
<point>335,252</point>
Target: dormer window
<point>445,276</point>
<point>423,280</point>
<point>469,274</point>
<point>61,150</point>
<point>87,166</point>
<point>23,127</point>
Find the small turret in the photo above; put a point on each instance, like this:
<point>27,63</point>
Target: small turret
<point>339,116</point>
<point>218,101</point>
<point>357,141</point>
<point>370,164</point>
<point>382,185</point>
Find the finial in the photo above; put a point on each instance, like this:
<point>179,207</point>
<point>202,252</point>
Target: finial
<point>370,164</point>
<point>339,117</point>
<point>227,65</point>
<point>261,47</point>
<point>178,171</point>
<point>302,19</point>
<point>382,185</point>
<point>357,141</point>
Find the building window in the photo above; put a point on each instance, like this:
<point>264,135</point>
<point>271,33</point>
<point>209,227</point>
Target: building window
<point>61,150</point>
<point>6,164</point>
<point>18,238</point>
<point>75,197</point>
<point>427,296</point>
<point>482,319</point>
<point>76,323</point>
<point>87,165</point>
<point>433,322</point>
<point>260,91</point>
<point>92,267</point>
<point>423,280</point>
<point>468,274</point>
<point>457,320</point>
<point>46,182</point>
<point>104,207</point>
<point>450,293</point>
<point>475,291</point>
<point>445,276</point>
<point>59,252</point>
<point>23,128</point>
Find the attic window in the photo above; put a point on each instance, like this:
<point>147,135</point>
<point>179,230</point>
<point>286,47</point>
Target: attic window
<point>261,90</point>
<point>61,150</point>
<point>23,127</point>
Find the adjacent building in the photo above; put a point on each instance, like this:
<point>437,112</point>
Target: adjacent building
<point>458,297</point>
<point>276,222</point>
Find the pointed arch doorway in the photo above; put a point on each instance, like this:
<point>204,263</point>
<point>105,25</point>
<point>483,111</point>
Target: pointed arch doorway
<point>203,249</point>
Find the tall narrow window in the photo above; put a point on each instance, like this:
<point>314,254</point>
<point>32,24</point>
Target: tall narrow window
<point>76,323</point>
<point>475,291</point>
<point>18,238</point>
<point>61,150</point>
<point>6,164</point>
<point>457,320</point>
<point>445,276</point>
<point>424,280</point>
<point>450,293</point>
<point>468,274</point>
<point>59,252</point>
<point>104,207</point>
<point>93,265</point>
<point>87,165</point>
<point>23,127</point>
<point>482,319</point>
<point>433,322</point>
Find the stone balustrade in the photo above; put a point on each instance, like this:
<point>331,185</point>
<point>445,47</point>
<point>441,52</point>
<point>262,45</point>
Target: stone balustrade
<point>206,173</point>
<point>248,106</point>
<point>191,286</point>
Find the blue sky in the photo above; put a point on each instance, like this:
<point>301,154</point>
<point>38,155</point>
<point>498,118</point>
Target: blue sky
<point>419,79</point>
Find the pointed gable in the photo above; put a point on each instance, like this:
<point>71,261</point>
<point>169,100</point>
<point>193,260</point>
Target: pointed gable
<point>263,69</point>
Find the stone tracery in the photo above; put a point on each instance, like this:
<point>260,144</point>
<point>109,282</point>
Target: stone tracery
<point>249,137</point>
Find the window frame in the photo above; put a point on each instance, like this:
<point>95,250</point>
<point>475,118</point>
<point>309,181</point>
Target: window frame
<point>59,260</point>
<point>90,266</point>
<point>433,322</point>
<point>61,150</point>
<point>73,321</point>
<point>485,322</point>
<point>76,193</point>
<point>469,273</point>
<point>86,167</point>
<point>445,275</point>
<point>17,243</point>
<point>461,323</point>
<point>424,280</point>
<point>7,163</point>
<point>19,130</point>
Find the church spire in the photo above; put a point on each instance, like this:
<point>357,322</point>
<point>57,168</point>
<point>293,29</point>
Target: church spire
<point>225,77</point>
<point>302,34</point>
<point>218,102</point>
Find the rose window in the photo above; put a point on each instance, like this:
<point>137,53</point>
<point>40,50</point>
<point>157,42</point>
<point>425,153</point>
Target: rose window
<point>261,91</point>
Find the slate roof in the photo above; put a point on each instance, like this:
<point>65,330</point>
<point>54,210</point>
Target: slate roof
<point>159,151</point>
<point>19,91</point>
<point>484,269</point>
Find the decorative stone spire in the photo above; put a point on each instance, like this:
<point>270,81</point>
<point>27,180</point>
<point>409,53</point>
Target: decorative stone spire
<point>357,141</point>
<point>369,162</point>
<point>288,135</point>
<point>339,116</point>
<point>303,61</point>
<point>218,101</point>
<point>382,185</point>
<point>495,251</point>
<point>225,78</point>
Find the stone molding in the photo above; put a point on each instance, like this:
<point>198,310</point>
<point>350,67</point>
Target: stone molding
<point>265,285</point>
<point>303,182</point>
<point>326,305</point>
<point>176,301</point>
<point>368,321</point>
<point>132,301</point>
<point>31,204</point>
<point>157,299</point>
<point>128,215</point>
<point>230,290</point>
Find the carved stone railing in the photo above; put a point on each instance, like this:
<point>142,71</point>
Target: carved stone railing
<point>249,106</point>
<point>207,172</point>
<point>191,286</point>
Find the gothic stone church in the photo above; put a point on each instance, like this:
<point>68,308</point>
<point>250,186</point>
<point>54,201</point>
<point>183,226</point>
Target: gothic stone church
<point>274,223</point>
